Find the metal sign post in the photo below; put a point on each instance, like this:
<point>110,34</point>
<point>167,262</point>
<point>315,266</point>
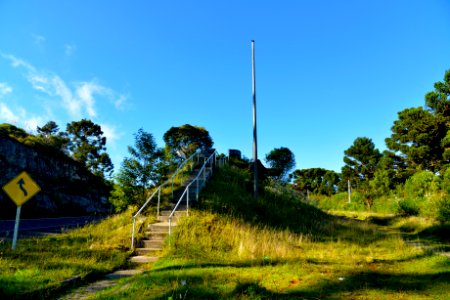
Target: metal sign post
<point>20,189</point>
<point>16,228</point>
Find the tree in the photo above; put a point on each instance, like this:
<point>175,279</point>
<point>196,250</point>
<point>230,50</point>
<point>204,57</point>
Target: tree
<point>361,161</point>
<point>281,161</point>
<point>88,146</point>
<point>50,135</point>
<point>140,171</point>
<point>50,128</point>
<point>439,100</point>
<point>316,180</point>
<point>418,136</point>
<point>183,141</point>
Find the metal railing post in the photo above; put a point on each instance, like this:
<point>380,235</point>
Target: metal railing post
<point>159,201</point>
<point>170,229</point>
<point>132,234</point>
<point>187,201</point>
<point>197,192</point>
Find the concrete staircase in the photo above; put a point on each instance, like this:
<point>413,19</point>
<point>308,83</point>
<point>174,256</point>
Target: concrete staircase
<point>153,243</point>
<point>151,246</point>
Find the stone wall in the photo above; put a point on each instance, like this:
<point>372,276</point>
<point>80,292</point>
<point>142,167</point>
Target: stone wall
<point>67,188</point>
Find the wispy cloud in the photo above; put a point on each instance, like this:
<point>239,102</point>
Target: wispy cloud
<point>69,49</point>
<point>5,89</point>
<point>78,100</point>
<point>38,39</point>
<point>20,117</point>
<point>7,115</point>
<point>111,134</point>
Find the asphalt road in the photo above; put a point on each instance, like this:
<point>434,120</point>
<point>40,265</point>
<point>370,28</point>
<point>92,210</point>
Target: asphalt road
<point>36,227</point>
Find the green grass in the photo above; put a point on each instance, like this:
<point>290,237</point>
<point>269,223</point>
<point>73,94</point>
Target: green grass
<point>40,267</point>
<point>233,247</point>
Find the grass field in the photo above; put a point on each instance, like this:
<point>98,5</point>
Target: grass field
<point>278,248</point>
<point>41,267</point>
<point>233,247</point>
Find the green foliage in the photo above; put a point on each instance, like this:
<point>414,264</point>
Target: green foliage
<point>41,267</point>
<point>140,171</point>
<point>13,131</point>
<point>118,198</point>
<point>281,161</point>
<point>443,210</point>
<point>50,135</point>
<point>230,193</point>
<point>316,180</point>
<point>381,183</point>
<point>408,207</point>
<point>439,99</point>
<point>183,141</point>
<point>417,134</point>
<point>361,161</point>
<point>88,146</point>
<point>445,183</point>
<point>420,184</point>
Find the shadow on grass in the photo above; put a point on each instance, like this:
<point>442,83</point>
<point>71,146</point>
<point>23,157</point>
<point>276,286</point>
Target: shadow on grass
<point>188,286</point>
<point>438,233</point>
<point>383,220</point>
<point>241,264</point>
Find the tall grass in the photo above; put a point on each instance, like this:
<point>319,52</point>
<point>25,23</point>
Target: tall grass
<point>40,267</point>
<point>277,247</point>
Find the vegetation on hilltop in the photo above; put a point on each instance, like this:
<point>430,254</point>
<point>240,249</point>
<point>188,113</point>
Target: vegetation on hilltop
<point>278,247</point>
<point>409,178</point>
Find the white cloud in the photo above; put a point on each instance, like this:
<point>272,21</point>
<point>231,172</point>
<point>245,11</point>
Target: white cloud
<point>20,118</point>
<point>39,82</point>
<point>32,123</point>
<point>69,103</point>
<point>6,114</point>
<point>39,40</point>
<point>111,134</point>
<point>119,102</point>
<point>78,99</point>
<point>5,89</point>
<point>69,49</point>
<point>85,92</point>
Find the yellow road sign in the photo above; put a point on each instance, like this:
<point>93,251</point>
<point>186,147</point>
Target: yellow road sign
<point>21,188</point>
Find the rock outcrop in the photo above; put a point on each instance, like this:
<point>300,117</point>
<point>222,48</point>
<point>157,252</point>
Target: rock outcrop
<point>67,188</point>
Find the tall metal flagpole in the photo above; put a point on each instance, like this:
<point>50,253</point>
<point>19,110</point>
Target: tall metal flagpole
<point>255,144</point>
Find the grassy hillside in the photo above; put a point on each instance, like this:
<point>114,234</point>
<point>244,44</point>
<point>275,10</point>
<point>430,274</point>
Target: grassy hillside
<point>42,267</point>
<point>233,247</point>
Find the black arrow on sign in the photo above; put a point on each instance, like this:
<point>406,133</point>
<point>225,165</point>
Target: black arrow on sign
<point>21,182</point>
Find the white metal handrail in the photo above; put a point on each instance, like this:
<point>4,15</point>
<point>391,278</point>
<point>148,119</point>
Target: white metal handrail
<point>201,173</point>
<point>158,190</point>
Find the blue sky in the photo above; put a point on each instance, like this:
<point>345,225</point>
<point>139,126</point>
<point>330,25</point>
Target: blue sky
<point>327,71</point>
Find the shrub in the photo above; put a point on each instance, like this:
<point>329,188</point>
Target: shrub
<point>421,183</point>
<point>443,210</point>
<point>408,207</point>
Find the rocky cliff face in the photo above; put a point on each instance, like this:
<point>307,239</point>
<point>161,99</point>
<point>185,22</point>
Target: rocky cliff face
<point>67,188</point>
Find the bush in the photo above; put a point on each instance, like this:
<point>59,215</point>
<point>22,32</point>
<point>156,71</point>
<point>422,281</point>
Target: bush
<point>408,207</point>
<point>443,210</point>
<point>421,184</point>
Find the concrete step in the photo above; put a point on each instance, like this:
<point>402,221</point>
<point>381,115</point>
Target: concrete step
<point>181,211</point>
<point>143,259</point>
<point>153,243</point>
<point>175,218</point>
<point>156,235</point>
<point>160,227</point>
<point>155,251</point>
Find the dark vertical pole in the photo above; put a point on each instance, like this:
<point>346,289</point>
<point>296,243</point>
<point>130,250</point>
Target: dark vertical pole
<point>255,144</point>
